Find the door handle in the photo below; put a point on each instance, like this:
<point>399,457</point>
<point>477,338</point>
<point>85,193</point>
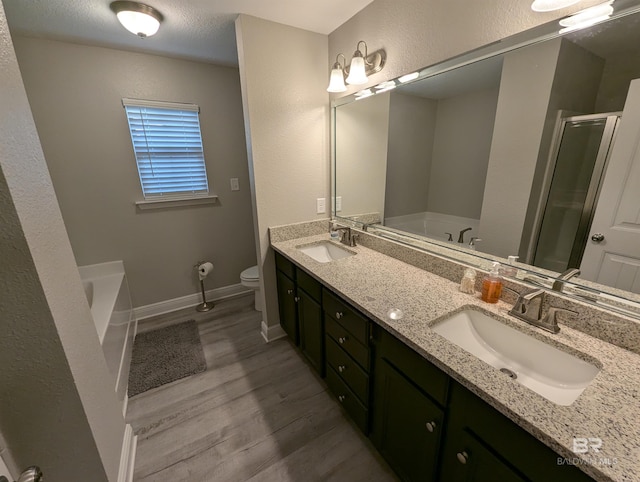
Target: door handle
<point>597,237</point>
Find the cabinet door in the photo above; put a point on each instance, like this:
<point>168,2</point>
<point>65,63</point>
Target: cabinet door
<point>311,330</point>
<point>287,305</point>
<point>406,425</point>
<point>475,462</point>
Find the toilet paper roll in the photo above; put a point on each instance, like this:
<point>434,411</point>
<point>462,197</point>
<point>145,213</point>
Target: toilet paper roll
<point>204,269</point>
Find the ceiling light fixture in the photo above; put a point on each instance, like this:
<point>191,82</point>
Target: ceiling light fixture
<point>138,18</point>
<point>550,5</point>
<point>587,18</point>
<point>362,65</point>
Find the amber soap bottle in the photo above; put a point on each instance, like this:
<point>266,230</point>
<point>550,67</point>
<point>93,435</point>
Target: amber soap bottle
<point>492,285</point>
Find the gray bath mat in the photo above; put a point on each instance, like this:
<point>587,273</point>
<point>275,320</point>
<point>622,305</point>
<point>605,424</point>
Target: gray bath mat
<point>165,355</point>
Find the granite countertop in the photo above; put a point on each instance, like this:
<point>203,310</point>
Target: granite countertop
<point>608,408</point>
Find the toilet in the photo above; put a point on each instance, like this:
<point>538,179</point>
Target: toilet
<point>250,278</point>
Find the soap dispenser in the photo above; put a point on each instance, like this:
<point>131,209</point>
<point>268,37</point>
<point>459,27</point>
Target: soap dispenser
<point>492,285</point>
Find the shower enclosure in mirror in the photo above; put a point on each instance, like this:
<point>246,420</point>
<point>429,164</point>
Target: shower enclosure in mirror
<point>514,141</point>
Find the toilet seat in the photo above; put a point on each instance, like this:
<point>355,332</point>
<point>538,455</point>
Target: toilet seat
<point>250,274</point>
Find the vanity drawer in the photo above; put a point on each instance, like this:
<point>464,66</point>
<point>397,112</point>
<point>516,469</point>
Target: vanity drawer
<point>309,284</point>
<point>286,266</point>
<point>347,369</point>
<point>349,318</point>
<point>429,378</point>
<point>349,401</point>
<point>347,342</point>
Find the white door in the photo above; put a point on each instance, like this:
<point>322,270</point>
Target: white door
<point>615,259</point>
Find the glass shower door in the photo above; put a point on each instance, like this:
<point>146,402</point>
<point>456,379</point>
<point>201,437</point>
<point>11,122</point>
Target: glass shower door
<point>585,142</point>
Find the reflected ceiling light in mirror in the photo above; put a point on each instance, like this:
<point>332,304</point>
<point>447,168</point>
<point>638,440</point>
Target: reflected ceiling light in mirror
<point>409,77</point>
<point>587,18</point>
<point>138,18</point>
<point>550,5</point>
<point>363,94</point>
<point>385,86</point>
<point>362,65</point>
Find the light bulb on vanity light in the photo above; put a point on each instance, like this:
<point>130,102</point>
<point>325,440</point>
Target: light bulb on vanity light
<point>336,81</point>
<point>357,74</point>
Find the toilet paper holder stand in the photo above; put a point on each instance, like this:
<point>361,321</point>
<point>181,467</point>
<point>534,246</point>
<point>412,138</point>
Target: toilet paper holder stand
<point>205,305</point>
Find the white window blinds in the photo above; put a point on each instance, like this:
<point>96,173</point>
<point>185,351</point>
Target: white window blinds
<point>168,147</point>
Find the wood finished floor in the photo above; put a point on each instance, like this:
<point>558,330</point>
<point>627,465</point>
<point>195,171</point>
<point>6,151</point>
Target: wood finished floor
<point>259,413</point>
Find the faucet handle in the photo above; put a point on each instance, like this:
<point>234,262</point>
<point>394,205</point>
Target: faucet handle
<point>450,236</point>
<point>550,320</point>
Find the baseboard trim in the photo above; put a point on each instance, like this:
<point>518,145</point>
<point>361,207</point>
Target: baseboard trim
<point>162,307</point>
<point>128,455</point>
<point>271,333</point>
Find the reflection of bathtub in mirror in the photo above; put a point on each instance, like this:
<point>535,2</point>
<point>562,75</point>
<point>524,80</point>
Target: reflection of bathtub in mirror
<point>435,225</point>
<point>107,291</point>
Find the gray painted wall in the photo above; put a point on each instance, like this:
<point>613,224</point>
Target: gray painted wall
<point>464,128</point>
<point>286,109</point>
<point>75,93</point>
<point>364,136</point>
<point>525,87</point>
<point>412,123</point>
<point>55,410</point>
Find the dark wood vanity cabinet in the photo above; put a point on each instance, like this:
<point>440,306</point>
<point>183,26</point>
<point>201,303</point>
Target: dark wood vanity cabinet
<point>409,398</point>
<point>300,307</point>
<point>481,444</point>
<point>427,427</point>
<point>348,357</point>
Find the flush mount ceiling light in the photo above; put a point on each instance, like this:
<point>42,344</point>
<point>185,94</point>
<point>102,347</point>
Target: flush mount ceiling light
<point>550,5</point>
<point>138,18</point>
<point>586,18</point>
<point>362,65</point>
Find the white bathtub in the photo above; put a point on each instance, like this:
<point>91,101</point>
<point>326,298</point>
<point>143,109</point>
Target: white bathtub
<point>435,225</point>
<point>107,293</point>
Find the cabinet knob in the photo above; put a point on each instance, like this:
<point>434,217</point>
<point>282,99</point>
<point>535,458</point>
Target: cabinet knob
<point>342,339</point>
<point>462,457</point>
<point>339,315</point>
<point>289,292</point>
<point>296,298</point>
<point>431,426</point>
<point>341,398</point>
<point>342,368</point>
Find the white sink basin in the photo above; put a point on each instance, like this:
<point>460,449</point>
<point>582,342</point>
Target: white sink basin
<point>548,371</point>
<point>325,251</point>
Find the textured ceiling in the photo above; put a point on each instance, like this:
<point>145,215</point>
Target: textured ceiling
<point>195,29</point>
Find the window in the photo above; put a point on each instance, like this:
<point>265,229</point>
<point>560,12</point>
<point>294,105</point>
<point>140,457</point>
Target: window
<point>168,148</point>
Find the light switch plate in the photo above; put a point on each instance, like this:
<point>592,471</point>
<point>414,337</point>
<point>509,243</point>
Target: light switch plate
<point>338,203</point>
<point>235,185</point>
<point>321,205</point>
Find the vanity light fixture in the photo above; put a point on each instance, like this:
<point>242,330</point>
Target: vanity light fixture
<point>550,5</point>
<point>362,65</point>
<point>138,18</point>
<point>586,18</point>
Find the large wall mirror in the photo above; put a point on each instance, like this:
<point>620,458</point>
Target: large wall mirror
<point>528,147</point>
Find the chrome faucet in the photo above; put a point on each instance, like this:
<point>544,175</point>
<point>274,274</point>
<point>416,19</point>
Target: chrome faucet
<point>523,310</point>
<point>461,236</point>
<point>558,284</point>
<point>347,237</point>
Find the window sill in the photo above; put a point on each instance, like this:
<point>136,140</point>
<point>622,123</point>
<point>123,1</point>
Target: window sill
<point>176,202</point>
